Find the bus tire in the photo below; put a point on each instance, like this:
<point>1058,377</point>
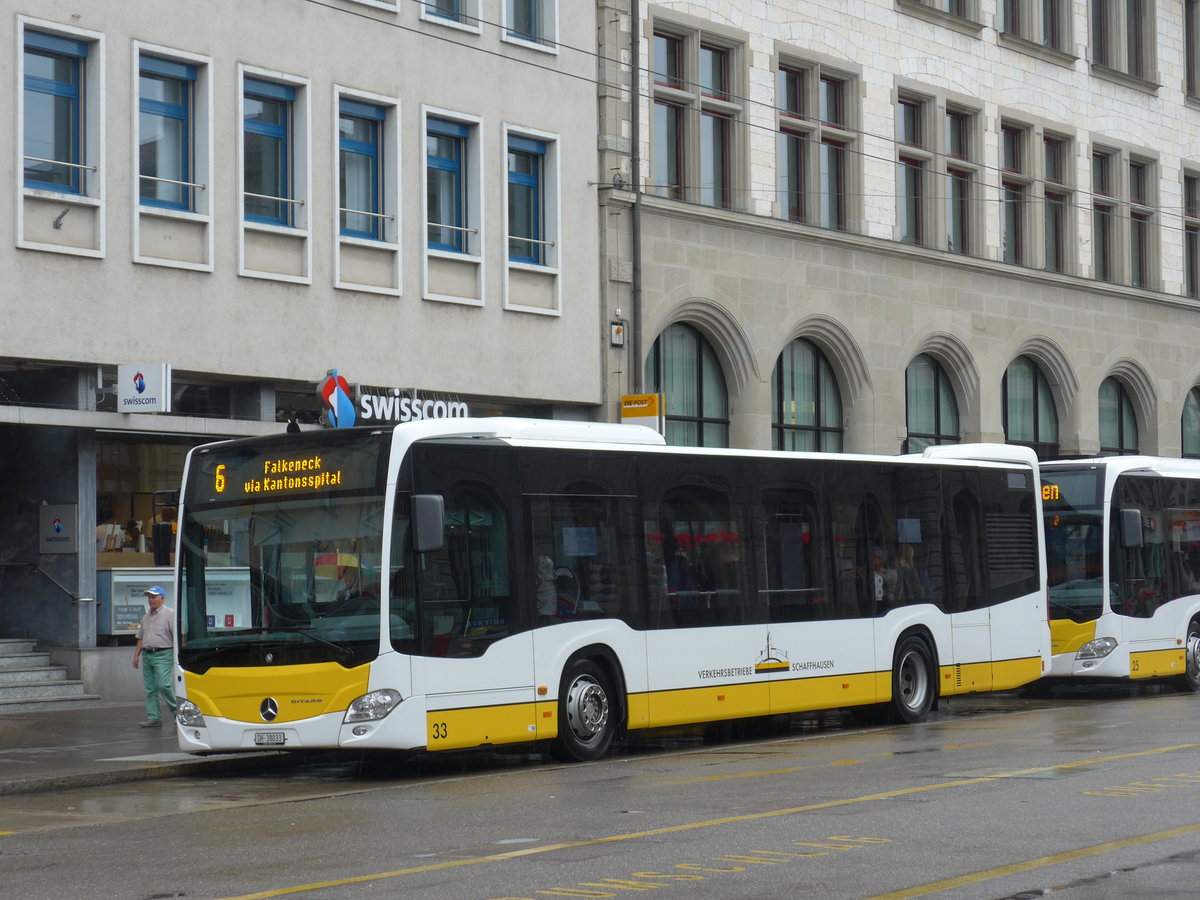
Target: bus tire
<point>1189,681</point>
<point>587,712</point>
<point>913,681</point>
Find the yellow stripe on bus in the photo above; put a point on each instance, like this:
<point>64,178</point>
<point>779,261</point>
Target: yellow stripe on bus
<point>1000,675</point>
<point>453,729</point>
<point>1157,663</point>
<point>509,723</point>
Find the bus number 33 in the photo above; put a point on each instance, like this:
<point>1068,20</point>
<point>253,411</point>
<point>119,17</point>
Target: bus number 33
<point>439,731</point>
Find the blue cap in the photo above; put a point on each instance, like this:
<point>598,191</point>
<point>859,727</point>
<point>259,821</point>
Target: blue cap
<point>156,589</point>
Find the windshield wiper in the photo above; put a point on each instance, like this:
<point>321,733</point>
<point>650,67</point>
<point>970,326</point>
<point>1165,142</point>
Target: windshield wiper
<point>343,653</point>
<point>205,657</point>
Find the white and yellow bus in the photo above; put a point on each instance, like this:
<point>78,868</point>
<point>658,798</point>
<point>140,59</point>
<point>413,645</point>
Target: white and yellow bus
<point>461,583</point>
<point>1123,560</point>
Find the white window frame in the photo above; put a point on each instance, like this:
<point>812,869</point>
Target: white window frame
<point>547,38</point>
<point>299,160</point>
<point>390,195</point>
<point>473,174</point>
<point>469,19</point>
<point>93,128</point>
<point>552,214</point>
<point>201,155</point>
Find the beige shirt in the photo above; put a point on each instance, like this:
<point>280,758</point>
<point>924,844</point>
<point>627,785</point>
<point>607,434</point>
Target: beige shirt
<point>157,629</point>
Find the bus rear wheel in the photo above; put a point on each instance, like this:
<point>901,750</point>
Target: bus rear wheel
<point>1189,681</point>
<point>587,721</point>
<point>913,682</point>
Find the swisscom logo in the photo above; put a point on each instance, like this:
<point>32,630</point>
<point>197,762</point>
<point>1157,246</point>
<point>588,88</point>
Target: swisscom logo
<point>339,406</point>
<point>139,382</point>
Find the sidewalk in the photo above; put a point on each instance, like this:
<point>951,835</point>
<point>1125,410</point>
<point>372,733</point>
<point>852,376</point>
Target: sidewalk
<point>84,746</point>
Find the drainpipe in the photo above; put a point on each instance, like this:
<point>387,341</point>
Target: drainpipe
<point>635,100</point>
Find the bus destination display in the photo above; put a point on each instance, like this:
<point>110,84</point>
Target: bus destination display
<point>234,475</point>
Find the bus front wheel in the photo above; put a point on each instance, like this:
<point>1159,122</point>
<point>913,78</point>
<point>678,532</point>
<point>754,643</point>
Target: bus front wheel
<point>913,681</point>
<point>1190,680</point>
<point>586,712</point>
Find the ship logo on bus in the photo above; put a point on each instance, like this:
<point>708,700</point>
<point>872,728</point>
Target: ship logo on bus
<point>772,659</point>
<point>339,406</point>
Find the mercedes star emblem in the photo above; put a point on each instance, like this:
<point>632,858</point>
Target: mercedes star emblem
<point>268,709</point>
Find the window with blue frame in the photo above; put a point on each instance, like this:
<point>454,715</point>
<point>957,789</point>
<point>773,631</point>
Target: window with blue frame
<point>360,149</point>
<point>165,90</point>
<point>54,70</point>
<point>447,9</point>
<point>445,177</point>
<point>267,116</point>
<point>523,19</point>
<point>526,189</point>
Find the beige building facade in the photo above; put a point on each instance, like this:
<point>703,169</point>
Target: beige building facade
<point>224,202</point>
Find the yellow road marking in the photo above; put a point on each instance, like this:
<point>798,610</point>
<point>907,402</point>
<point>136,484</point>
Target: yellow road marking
<point>731,820</point>
<point>1027,866</point>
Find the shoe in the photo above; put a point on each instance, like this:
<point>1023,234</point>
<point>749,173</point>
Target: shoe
<point>150,723</point>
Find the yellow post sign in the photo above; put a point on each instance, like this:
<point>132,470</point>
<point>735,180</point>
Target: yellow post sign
<point>643,409</point>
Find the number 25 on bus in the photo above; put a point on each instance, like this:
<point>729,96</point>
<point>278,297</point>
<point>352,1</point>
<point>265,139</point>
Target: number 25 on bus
<point>460,583</point>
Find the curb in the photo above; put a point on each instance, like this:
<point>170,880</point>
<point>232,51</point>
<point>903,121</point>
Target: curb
<point>239,762</point>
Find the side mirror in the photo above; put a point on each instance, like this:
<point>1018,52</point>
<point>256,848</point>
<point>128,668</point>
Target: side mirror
<point>1130,524</point>
<point>428,522</point>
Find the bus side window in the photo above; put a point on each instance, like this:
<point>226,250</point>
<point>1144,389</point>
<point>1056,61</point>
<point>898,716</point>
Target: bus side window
<point>792,584</point>
<point>1141,571</point>
<point>964,552</point>
<point>466,596</point>
<point>701,534</point>
<point>580,565</point>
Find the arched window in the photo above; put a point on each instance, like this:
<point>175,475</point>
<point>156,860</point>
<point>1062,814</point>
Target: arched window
<point>1191,425</point>
<point>806,407</point>
<point>1030,418</point>
<point>1118,424</point>
<point>683,367</point>
<point>932,409</point>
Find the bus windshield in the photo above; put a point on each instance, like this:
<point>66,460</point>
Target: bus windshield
<point>280,561</point>
<point>1074,515</point>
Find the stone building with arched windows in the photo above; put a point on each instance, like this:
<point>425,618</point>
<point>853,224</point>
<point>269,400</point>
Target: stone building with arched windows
<point>886,225</point>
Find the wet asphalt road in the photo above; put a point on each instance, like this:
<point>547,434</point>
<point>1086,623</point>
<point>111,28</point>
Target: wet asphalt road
<point>1086,794</point>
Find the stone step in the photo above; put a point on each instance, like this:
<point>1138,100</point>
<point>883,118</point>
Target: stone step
<point>37,690</point>
<point>16,646</point>
<point>12,675</point>
<point>23,660</point>
<point>27,704</point>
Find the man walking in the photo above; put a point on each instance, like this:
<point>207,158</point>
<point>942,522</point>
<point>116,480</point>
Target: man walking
<point>156,639</point>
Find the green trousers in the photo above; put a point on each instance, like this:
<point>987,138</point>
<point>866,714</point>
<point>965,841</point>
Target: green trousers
<point>156,675</point>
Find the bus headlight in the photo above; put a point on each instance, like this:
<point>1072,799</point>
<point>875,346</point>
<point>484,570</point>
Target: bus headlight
<point>1097,649</point>
<point>373,706</point>
<point>188,713</point>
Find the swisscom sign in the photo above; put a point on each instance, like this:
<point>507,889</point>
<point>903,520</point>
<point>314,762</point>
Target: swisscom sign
<point>371,405</point>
